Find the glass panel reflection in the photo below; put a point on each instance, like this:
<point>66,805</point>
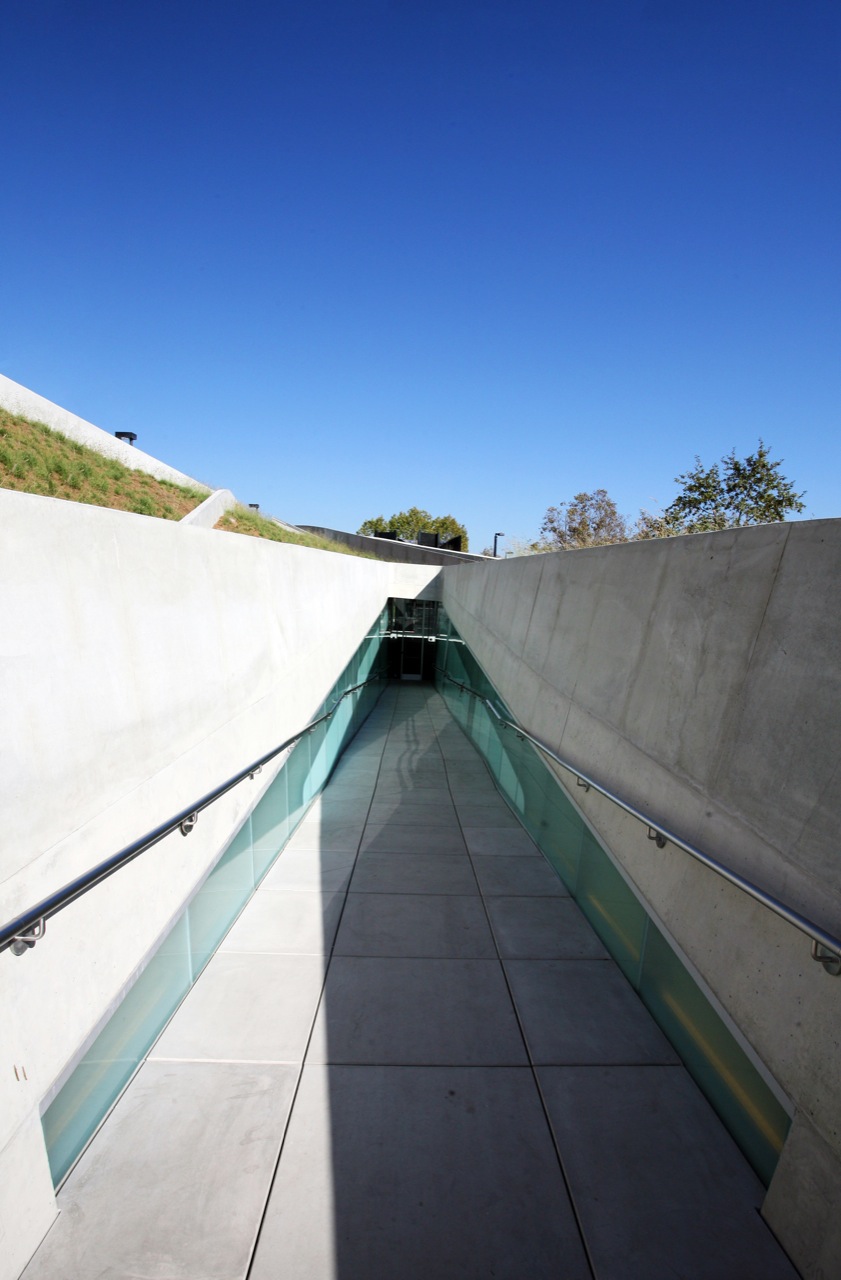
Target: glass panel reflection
<point>711,1053</point>
<point>98,1079</point>
<point>720,1066</point>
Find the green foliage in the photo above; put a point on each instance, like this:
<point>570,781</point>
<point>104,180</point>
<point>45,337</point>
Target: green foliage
<point>516,546</point>
<point>253,525</point>
<point>408,524</point>
<point>590,520</point>
<point>651,524</point>
<point>731,494</point>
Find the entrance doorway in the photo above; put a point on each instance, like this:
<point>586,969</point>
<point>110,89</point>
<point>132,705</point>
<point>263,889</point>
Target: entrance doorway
<point>413,633</point>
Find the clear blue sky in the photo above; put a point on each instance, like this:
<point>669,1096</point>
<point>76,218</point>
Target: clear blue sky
<point>345,258</point>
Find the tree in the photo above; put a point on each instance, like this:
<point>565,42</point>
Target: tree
<point>516,546</point>
<point>652,524</point>
<point>590,520</point>
<point>408,524</point>
<point>730,494</point>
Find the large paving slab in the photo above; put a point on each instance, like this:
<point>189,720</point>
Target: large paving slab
<point>583,1011</point>
<point>416,1012</point>
<point>480,1093</point>
<point>247,1008</point>
<point>435,812</point>
<point>393,837</point>
<point>174,1183</point>
<point>422,1174</point>
<point>660,1187</point>
<point>413,873</point>
<point>549,928</point>
<point>491,814</point>
<point>506,842</point>
<point>391,784</point>
<point>334,833</point>
<point>286,924</point>
<point>414,925</point>
<point>509,876</point>
<point>308,870</point>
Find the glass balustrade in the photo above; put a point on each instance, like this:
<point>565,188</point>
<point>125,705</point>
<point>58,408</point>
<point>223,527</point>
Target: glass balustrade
<point>99,1078</point>
<point>719,1064</point>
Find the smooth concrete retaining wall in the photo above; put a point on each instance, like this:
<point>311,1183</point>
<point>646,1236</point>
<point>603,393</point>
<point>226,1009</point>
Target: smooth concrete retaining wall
<point>143,662</point>
<point>385,549</point>
<point>700,678</point>
<point>207,513</point>
<point>29,404</point>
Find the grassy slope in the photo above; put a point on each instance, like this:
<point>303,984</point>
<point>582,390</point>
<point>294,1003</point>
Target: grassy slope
<point>36,459</point>
<point>244,520</point>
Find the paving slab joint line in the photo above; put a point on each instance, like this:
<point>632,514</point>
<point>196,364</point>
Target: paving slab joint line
<point>256,1242</point>
<point>531,1066</point>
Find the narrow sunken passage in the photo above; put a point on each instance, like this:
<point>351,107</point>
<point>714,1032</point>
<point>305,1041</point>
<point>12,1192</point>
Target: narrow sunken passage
<point>411,1057</point>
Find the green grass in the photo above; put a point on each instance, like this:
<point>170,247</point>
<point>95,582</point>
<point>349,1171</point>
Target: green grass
<point>251,523</point>
<point>36,459</point>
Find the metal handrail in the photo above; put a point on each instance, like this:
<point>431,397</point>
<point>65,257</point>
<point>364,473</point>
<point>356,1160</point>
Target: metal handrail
<point>25,930</point>
<point>826,948</point>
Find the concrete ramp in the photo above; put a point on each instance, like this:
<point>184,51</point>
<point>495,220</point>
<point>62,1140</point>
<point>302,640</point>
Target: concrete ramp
<point>411,1057</point>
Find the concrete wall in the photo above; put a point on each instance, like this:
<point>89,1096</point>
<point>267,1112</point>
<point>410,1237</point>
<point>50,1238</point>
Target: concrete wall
<point>143,661</point>
<point>700,678</point>
<point>208,513</point>
<point>386,549</point>
<point>29,404</point>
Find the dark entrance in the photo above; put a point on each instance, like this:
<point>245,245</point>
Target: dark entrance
<point>412,640</point>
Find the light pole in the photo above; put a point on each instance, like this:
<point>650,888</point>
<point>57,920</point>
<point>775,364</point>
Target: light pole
<point>496,536</point>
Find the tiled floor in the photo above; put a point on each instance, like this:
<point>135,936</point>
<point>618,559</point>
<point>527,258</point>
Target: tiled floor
<point>411,1059</point>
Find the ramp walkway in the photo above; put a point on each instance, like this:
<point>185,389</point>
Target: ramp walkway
<point>411,1059</point>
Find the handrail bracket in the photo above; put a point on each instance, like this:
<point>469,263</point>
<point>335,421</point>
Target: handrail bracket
<point>826,948</point>
<point>830,960</point>
<point>21,934</point>
<point>23,942</point>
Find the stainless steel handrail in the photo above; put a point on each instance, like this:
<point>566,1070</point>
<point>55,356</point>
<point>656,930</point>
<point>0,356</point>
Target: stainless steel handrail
<point>826,948</point>
<point>25,930</point>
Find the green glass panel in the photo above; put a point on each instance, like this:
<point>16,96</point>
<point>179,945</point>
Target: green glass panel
<point>456,666</point>
<point>342,725</point>
<point>296,768</point>
<point>560,834</point>
<point>97,1081</point>
<point>717,1062</point>
<point>494,753</point>
<point>78,1108</point>
<point>318,751</point>
<point>220,899</point>
<point>270,825</point>
<point>304,750</point>
<point>724,1072</point>
<point>612,908</point>
<point>530,778</point>
<point>475,719</point>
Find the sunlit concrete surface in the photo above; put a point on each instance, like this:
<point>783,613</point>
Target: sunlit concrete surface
<point>143,662</point>
<point>411,1058</point>
<point>699,679</point>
